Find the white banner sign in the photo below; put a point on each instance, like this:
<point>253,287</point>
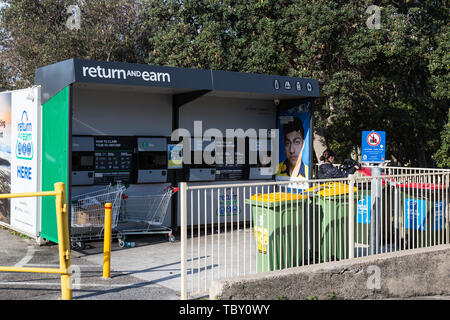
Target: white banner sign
<point>25,213</point>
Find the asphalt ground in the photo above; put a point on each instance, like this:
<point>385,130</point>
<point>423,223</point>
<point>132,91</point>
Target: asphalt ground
<point>89,283</point>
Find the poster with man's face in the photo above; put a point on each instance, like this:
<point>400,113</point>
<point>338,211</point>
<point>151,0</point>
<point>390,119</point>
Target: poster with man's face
<point>294,134</point>
<point>5,155</point>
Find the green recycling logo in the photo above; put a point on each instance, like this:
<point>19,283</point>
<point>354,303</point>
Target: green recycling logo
<point>24,145</point>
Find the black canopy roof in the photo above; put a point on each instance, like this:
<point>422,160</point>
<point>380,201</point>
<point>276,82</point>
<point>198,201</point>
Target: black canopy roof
<point>53,78</point>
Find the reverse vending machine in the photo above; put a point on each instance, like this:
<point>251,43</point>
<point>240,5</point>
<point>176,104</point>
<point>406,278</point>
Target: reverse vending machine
<point>152,159</point>
<point>82,160</point>
<point>199,170</point>
<point>260,150</point>
<point>233,167</point>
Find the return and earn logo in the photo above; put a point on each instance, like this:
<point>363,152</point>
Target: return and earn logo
<point>24,145</point>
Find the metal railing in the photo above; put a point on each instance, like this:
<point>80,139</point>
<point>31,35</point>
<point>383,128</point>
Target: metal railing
<point>63,238</point>
<point>388,170</point>
<point>232,230</point>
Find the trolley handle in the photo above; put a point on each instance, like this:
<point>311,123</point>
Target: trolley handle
<point>169,188</point>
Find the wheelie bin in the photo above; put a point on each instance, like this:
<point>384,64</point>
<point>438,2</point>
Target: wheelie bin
<point>280,223</point>
<point>387,217</point>
<point>424,211</point>
<point>333,208</point>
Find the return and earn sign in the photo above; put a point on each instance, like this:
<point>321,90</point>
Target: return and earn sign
<point>373,146</point>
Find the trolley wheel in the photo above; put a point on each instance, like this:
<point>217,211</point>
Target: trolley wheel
<point>121,243</point>
<point>171,238</point>
<point>78,245</point>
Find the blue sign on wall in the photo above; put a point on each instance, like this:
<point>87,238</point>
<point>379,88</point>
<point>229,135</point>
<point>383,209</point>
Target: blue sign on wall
<point>373,146</point>
<point>439,215</point>
<point>364,210</point>
<point>415,211</point>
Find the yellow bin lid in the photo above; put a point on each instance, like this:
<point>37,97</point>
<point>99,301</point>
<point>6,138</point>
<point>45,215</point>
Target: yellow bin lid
<point>334,189</point>
<point>276,197</point>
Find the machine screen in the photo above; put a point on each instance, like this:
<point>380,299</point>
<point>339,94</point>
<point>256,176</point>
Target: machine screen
<point>152,160</point>
<point>87,161</point>
<point>82,161</point>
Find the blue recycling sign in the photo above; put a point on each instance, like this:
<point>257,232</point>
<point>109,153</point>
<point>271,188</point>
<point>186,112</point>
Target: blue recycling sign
<point>373,146</point>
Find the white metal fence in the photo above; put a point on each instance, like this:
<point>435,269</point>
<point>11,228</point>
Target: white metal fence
<point>230,230</point>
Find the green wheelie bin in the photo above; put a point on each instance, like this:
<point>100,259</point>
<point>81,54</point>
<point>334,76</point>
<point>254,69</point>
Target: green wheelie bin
<point>280,226</point>
<point>333,208</point>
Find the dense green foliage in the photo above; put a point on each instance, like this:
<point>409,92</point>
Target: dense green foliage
<point>35,33</point>
<point>393,78</point>
<point>442,155</point>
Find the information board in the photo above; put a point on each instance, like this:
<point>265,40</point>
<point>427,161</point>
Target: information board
<point>373,146</point>
<point>25,159</point>
<point>114,159</point>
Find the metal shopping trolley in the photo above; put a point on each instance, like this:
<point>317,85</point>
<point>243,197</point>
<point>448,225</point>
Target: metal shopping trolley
<point>144,214</point>
<point>88,214</point>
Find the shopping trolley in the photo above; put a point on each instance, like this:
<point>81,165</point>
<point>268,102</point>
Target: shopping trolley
<point>88,213</point>
<point>144,214</point>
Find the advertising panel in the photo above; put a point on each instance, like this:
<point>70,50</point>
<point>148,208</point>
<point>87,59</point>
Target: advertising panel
<point>5,155</point>
<point>175,156</point>
<point>295,143</point>
<point>24,159</point>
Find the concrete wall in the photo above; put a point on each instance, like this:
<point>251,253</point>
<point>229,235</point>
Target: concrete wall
<point>418,272</point>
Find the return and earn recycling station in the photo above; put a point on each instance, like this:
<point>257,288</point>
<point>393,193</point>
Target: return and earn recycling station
<point>103,122</point>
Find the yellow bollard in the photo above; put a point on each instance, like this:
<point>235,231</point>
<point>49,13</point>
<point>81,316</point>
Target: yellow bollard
<point>63,241</point>
<point>107,242</point>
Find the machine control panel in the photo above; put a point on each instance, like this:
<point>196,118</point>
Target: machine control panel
<point>152,159</point>
<point>260,164</point>
<point>82,160</point>
<point>114,159</point>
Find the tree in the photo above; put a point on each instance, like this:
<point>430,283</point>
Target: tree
<point>392,75</point>
<point>442,156</point>
<point>36,33</point>
<point>222,35</point>
<point>370,78</point>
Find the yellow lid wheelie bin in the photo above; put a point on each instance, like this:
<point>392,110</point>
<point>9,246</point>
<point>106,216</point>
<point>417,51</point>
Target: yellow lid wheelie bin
<point>333,208</point>
<point>279,222</point>
<point>333,199</point>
